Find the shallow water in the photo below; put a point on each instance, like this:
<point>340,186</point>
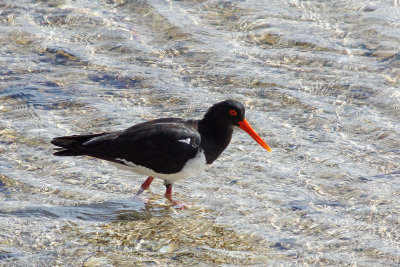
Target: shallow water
<point>320,81</point>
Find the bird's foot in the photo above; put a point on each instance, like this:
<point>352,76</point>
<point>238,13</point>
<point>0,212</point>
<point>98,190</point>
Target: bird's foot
<point>177,204</point>
<point>143,187</point>
<point>139,197</point>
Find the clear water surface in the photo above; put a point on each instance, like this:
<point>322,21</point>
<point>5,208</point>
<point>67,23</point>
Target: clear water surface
<point>320,80</point>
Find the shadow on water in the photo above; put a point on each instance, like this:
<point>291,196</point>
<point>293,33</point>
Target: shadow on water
<point>127,232</point>
<point>391,175</point>
<point>103,212</point>
<point>118,210</point>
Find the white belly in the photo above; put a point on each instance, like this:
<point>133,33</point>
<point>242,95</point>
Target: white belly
<point>192,167</point>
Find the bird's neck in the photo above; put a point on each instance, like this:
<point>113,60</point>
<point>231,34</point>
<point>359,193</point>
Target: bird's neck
<point>214,138</point>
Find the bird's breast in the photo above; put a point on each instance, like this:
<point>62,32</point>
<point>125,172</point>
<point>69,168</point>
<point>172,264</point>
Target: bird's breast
<point>191,168</point>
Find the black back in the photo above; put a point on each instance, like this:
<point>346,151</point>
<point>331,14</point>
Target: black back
<point>159,145</point>
<point>163,145</point>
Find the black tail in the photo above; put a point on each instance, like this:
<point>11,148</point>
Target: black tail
<point>72,145</point>
<point>67,152</point>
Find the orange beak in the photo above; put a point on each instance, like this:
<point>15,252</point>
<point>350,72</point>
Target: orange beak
<point>245,126</point>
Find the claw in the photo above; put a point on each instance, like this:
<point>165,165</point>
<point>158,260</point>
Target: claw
<point>143,187</point>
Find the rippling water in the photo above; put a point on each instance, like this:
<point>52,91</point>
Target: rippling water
<point>320,80</point>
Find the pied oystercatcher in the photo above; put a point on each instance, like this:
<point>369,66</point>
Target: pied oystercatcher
<point>170,148</point>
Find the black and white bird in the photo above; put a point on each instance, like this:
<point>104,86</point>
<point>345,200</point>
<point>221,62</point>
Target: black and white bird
<point>170,149</point>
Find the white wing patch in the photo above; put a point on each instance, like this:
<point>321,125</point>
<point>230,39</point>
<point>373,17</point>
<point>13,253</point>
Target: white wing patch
<point>187,141</point>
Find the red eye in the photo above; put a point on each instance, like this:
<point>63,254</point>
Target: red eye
<point>232,112</point>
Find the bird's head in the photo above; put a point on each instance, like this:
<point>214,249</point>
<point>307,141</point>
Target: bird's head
<point>232,113</point>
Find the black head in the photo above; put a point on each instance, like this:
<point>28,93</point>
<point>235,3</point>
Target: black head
<point>228,112</point>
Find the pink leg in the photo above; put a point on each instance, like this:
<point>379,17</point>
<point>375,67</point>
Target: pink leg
<point>145,185</point>
<point>168,195</point>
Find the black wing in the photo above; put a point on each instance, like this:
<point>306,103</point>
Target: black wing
<point>163,145</point>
